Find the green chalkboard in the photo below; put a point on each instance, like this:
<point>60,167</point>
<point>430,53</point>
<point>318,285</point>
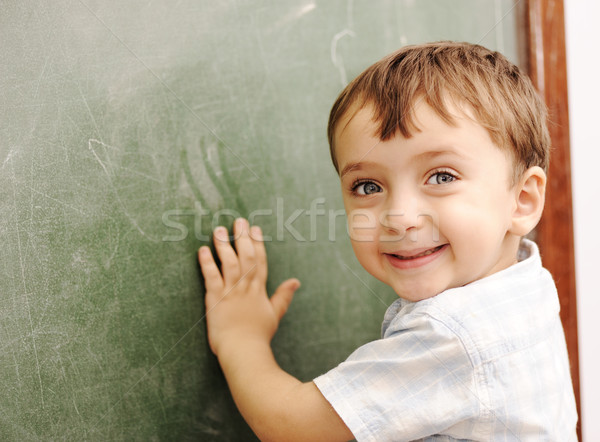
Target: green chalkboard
<point>128,130</point>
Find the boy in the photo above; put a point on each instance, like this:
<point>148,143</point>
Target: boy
<point>442,152</point>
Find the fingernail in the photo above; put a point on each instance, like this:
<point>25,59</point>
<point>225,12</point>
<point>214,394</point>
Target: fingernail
<point>204,251</point>
<point>221,232</point>
<point>256,232</point>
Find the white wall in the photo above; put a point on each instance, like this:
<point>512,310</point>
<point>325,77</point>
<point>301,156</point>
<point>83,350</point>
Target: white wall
<point>583,42</point>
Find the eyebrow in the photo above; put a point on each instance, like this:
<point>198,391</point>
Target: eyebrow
<point>432,154</point>
<point>351,167</point>
<point>428,155</point>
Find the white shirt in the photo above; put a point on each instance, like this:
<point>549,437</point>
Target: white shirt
<point>486,361</point>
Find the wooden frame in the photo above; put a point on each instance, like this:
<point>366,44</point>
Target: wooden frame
<point>547,69</point>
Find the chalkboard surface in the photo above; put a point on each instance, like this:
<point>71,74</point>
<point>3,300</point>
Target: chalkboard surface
<point>127,131</point>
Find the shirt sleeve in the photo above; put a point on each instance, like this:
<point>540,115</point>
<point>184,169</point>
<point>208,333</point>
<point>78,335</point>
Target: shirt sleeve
<point>416,382</point>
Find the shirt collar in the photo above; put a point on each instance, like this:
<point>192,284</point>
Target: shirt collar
<point>516,290</point>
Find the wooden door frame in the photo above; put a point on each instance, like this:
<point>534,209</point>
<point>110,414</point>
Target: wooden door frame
<point>548,70</point>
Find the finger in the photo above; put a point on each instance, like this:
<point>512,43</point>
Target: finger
<point>212,277</point>
<point>230,266</point>
<point>260,253</point>
<point>244,246</point>
<point>282,298</point>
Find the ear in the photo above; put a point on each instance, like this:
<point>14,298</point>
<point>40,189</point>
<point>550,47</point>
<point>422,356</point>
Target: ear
<point>530,194</point>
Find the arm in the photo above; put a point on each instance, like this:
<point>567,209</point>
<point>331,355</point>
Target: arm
<point>241,321</point>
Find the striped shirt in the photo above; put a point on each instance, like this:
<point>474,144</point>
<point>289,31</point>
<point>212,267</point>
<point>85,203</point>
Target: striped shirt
<point>486,361</point>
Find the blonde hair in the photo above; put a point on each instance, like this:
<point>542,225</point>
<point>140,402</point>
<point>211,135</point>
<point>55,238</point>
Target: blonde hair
<point>503,99</point>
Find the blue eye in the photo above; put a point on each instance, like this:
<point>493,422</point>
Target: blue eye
<point>441,178</point>
<point>366,188</point>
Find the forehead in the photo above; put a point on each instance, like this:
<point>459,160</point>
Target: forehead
<point>447,109</point>
<point>358,140</point>
<point>359,123</point>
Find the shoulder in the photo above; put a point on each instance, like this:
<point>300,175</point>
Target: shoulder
<point>417,380</point>
<point>428,326</point>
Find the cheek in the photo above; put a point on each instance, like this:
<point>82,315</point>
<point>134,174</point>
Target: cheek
<point>363,225</point>
<point>475,230</point>
<point>367,254</point>
<point>467,226</point>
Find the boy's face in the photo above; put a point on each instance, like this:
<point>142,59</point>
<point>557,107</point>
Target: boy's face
<point>430,212</point>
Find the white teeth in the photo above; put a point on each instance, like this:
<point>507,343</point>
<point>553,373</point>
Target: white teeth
<point>428,252</point>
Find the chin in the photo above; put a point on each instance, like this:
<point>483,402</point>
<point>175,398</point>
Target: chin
<point>416,293</point>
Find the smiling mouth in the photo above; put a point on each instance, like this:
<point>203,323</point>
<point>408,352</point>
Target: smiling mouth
<point>418,255</point>
<point>411,260</point>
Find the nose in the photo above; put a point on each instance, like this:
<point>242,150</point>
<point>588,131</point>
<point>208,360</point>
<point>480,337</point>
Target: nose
<point>400,216</point>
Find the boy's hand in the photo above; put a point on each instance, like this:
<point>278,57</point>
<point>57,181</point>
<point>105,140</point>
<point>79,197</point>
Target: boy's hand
<point>237,305</point>
<point>241,321</point>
